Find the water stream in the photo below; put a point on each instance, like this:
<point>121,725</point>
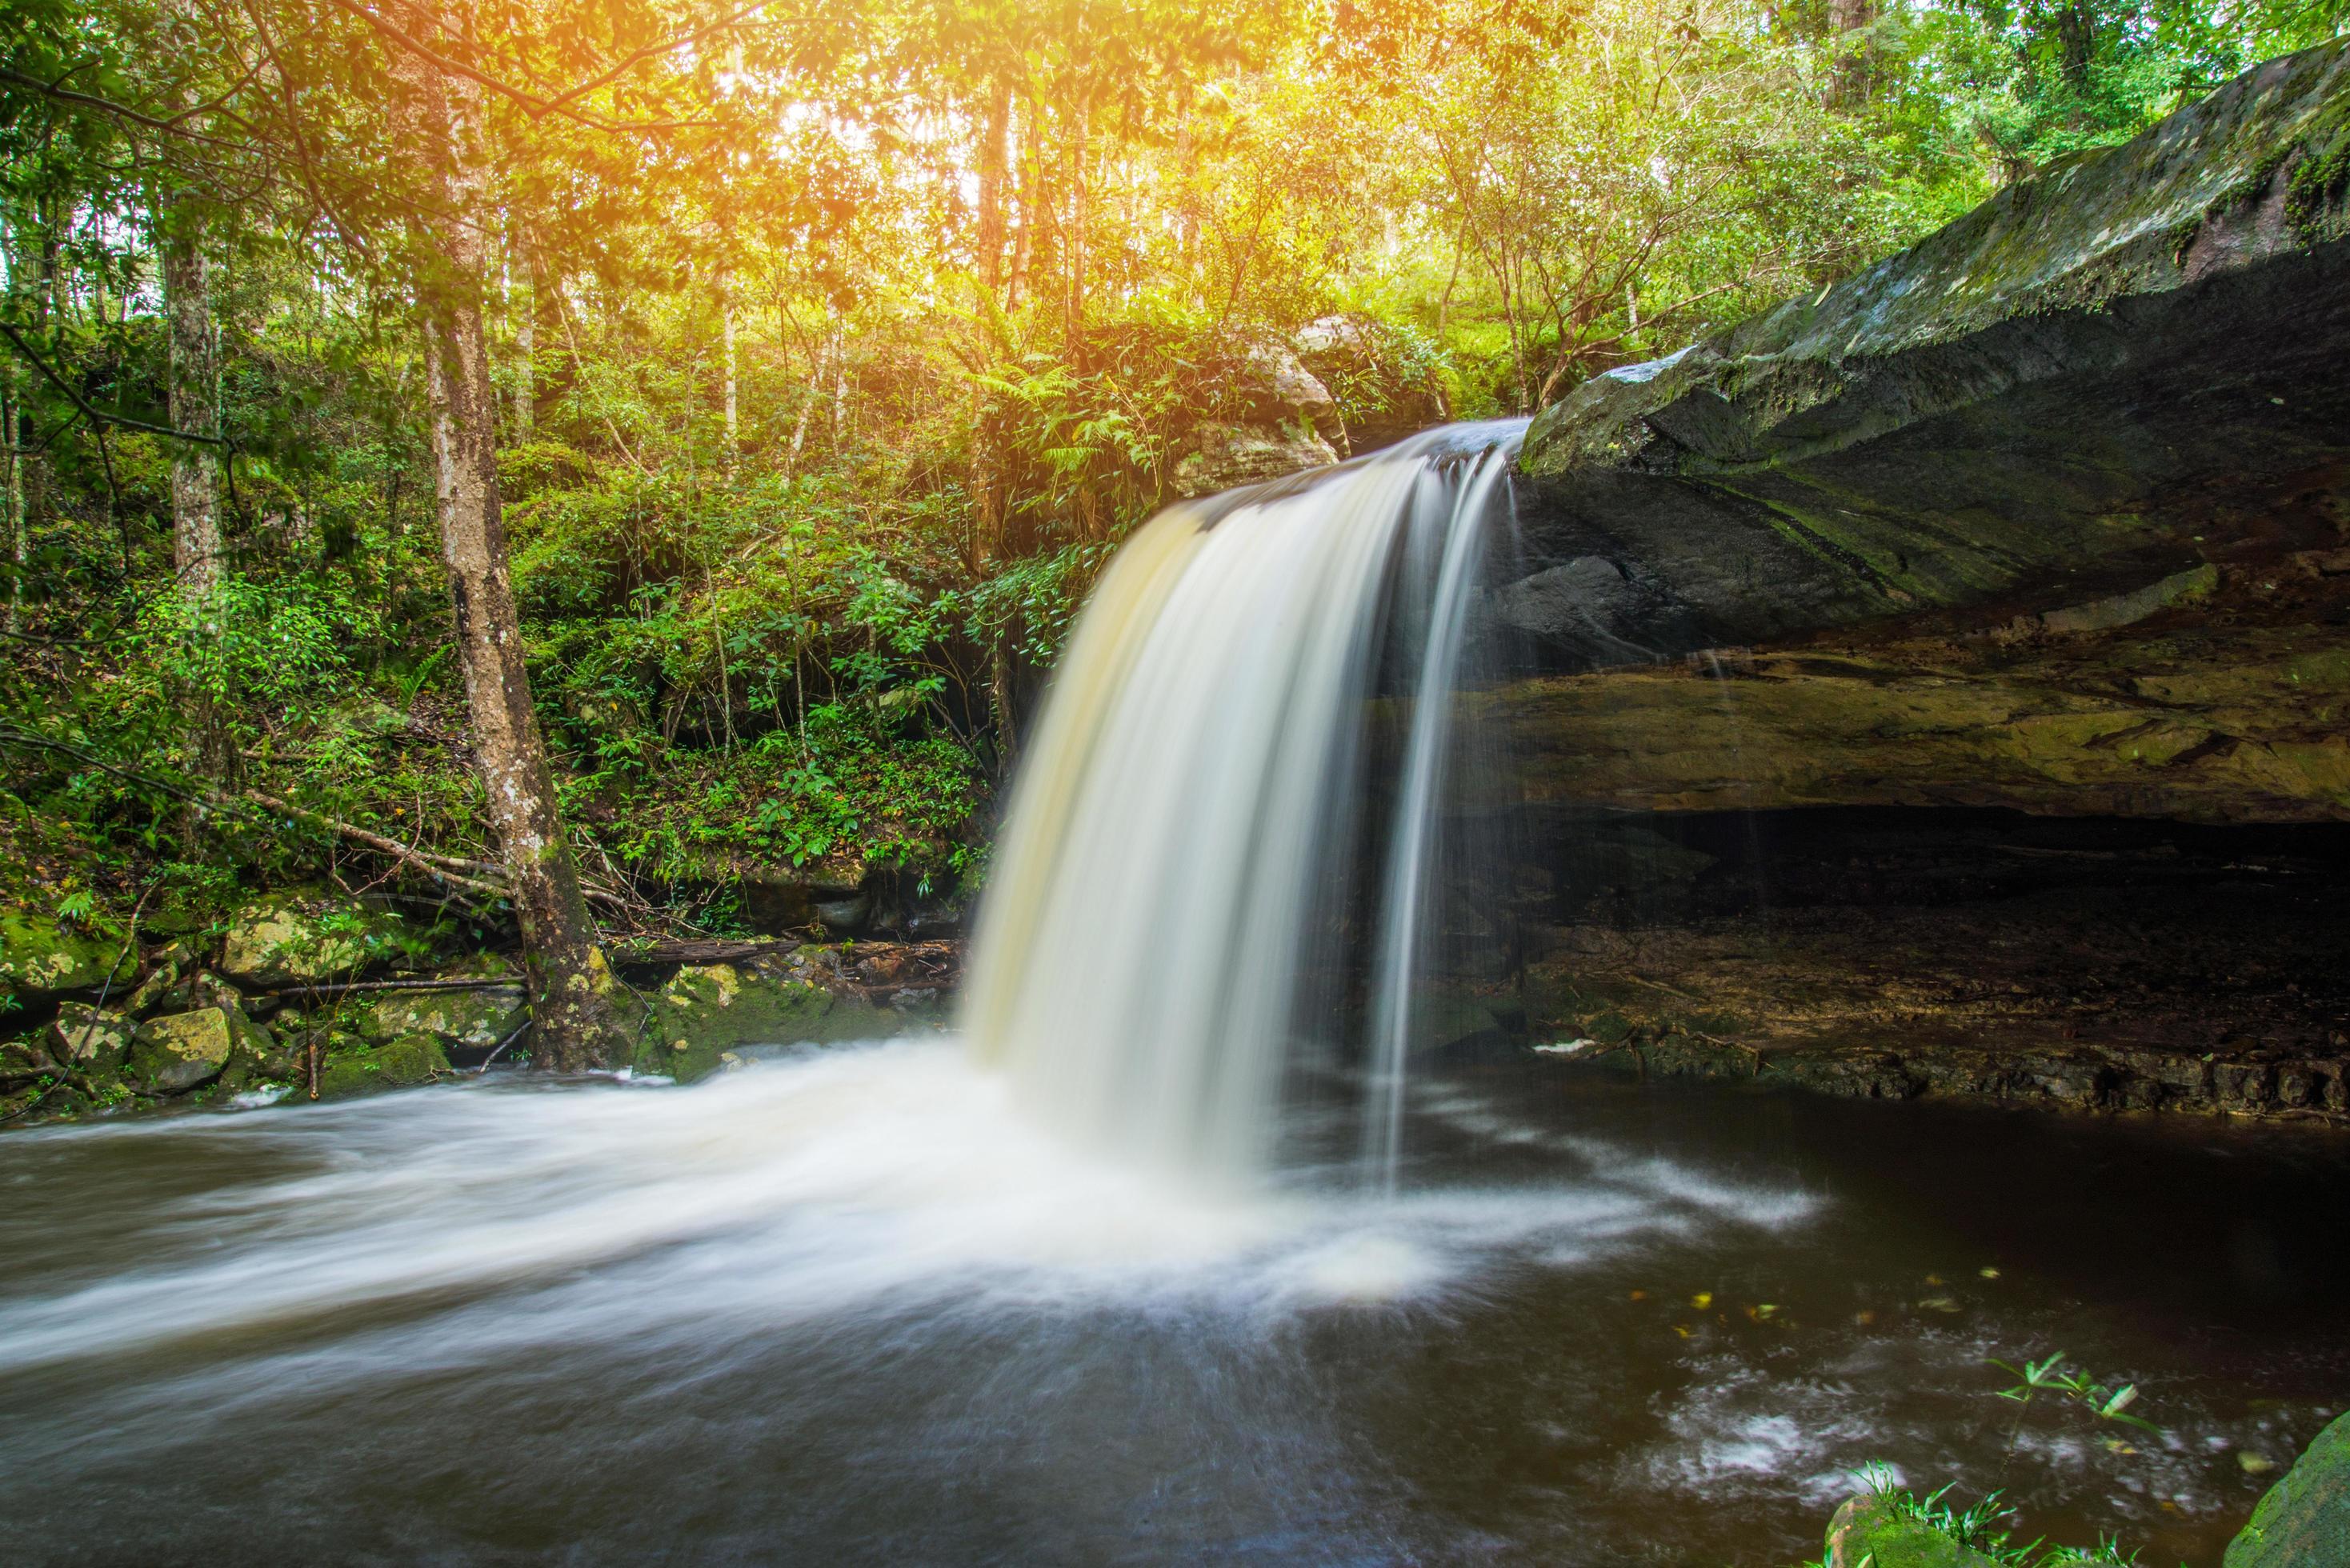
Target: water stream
<point>1175,859</point>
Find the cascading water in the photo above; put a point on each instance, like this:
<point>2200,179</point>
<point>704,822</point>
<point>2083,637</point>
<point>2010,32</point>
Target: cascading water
<point>1164,876</point>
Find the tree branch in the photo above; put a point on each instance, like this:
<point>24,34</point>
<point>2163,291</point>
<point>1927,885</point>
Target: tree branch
<point>78,401</point>
<point>532,105</point>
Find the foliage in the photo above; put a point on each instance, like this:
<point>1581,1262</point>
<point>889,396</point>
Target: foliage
<point>835,351</point>
<point>2053,1374</point>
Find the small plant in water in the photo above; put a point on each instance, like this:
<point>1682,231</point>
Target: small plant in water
<point>2053,1376</point>
<point>1976,1528</point>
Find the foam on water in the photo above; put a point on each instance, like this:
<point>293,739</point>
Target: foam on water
<point>891,1176</point>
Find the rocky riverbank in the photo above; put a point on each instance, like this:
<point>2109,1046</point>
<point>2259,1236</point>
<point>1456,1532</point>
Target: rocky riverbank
<point>306,997</point>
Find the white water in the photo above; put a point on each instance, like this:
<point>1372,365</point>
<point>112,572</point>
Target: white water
<point>451,1225</point>
<point>1165,873</point>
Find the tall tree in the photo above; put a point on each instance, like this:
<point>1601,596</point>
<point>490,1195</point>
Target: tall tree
<point>574,1020</point>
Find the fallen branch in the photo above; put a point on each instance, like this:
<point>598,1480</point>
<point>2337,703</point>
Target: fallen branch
<point>464,873</point>
<point>499,1049</point>
<point>345,988</point>
<point>712,951</point>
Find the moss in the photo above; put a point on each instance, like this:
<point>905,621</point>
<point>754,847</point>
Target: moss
<point>40,957</point>
<point>2305,1519</point>
<point>1876,1530</point>
<point>401,1063</point>
<point>182,1051</point>
<point>708,1012</point>
<point>2315,192</point>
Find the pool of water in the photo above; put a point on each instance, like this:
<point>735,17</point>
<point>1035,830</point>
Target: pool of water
<point>847,1307</point>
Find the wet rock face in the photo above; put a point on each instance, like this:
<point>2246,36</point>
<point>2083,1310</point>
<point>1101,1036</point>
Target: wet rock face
<point>2216,696</point>
<point>2109,966</point>
<point>2305,1519</point>
<point>2123,371</point>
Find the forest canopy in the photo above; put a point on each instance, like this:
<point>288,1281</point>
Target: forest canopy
<point>823,353</point>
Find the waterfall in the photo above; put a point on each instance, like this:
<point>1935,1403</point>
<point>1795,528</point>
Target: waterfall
<point>1173,863</point>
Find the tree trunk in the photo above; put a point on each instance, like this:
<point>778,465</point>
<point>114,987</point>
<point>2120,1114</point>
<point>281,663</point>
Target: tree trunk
<point>733,406</point>
<point>193,395</point>
<point>574,1020</point>
<point>1078,213</point>
<point>1026,179</point>
<point>11,432</point>
<point>1854,76</point>
<point>991,189</point>
<point>525,326</point>
<point>194,401</point>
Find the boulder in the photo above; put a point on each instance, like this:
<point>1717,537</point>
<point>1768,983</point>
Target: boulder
<point>294,941</point>
<point>1873,1530</point>
<point>1276,419</point>
<point>1227,456</point>
<point>478,1018</point>
<point>1275,389</point>
<point>152,993</point>
<point>352,1068</point>
<point>85,1040</point>
<point>707,1012</point>
<point>39,958</point>
<point>2305,1519</point>
<point>2103,380</point>
<point>1386,385</point>
<point>21,1060</point>
<point>182,1051</point>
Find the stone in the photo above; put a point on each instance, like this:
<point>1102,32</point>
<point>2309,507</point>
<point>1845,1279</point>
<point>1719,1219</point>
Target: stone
<point>292,940</point>
<point>2305,1519</point>
<point>405,1062</point>
<point>25,1059</point>
<point>2069,405</point>
<point>182,1051</point>
<point>150,995</point>
<point>86,1040</point>
<point>39,959</point>
<point>709,1011</point>
<point>1385,385</point>
<point>480,1018</point>
<point>1872,1532</point>
<point>1276,388</point>
<point>1227,456</point>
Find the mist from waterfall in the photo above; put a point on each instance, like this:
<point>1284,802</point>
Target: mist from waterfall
<point>1172,883</point>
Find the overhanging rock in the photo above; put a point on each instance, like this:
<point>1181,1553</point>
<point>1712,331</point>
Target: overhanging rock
<point>2133,365</point>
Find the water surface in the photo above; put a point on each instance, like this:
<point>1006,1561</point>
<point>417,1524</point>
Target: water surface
<point>850,1308</point>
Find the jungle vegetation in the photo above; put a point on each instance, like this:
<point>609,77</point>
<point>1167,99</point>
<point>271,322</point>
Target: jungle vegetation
<point>551,462</point>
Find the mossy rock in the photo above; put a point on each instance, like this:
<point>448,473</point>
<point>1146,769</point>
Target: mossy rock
<point>25,1060</point>
<point>84,1039</point>
<point>39,958</point>
<point>709,1011</point>
<point>291,940</point>
<point>1875,1529</point>
<point>401,1063</point>
<point>2305,1519</point>
<point>460,1017</point>
<point>184,1051</point>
